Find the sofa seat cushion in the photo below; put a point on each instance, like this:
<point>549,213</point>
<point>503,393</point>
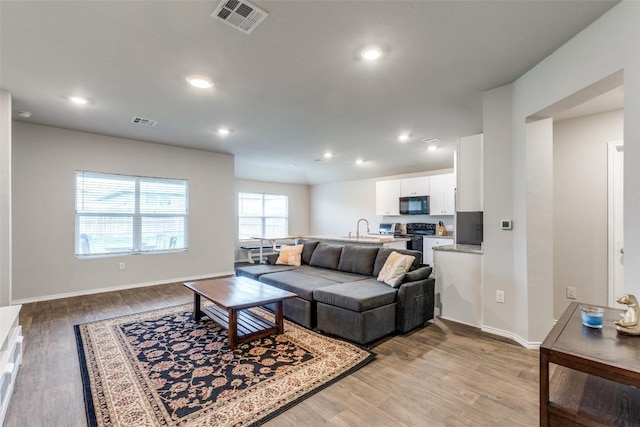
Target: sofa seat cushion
<point>357,296</point>
<point>296,282</point>
<point>333,275</point>
<point>255,271</point>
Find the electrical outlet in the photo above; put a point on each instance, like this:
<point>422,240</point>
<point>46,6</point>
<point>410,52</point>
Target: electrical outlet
<point>121,266</point>
<point>500,297</point>
<point>571,292</point>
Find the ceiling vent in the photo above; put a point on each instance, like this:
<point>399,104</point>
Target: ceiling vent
<point>431,140</point>
<point>144,122</point>
<point>241,15</point>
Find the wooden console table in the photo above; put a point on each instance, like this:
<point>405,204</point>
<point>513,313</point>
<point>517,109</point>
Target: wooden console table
<point>598,374</point>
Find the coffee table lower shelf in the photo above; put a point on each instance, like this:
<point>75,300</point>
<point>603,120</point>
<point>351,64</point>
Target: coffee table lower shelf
<point>249,326</point>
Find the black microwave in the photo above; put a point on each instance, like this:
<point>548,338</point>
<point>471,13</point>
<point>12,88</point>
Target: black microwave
<point>414,205</point>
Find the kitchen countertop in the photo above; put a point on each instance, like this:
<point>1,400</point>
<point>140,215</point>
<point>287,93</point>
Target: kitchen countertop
<point>469,249</point>
<point>434,236</point>
<point>367,238</point>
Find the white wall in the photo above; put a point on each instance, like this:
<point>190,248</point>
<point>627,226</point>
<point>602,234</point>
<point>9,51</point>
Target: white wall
<point>539,225</point>
<point>498,205</point>
<point>336,207</point>
<point>580,206</point>
<point>5,197</point>
<point>605,47</point>
<point>299,202</point>
<point>44,162</point>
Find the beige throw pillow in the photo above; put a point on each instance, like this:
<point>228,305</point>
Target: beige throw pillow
<point>290,255</point>
<point>394,267</point>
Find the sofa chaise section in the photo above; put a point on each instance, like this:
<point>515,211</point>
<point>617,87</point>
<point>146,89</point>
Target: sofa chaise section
<point>358,311</point>
<point>301,309</point>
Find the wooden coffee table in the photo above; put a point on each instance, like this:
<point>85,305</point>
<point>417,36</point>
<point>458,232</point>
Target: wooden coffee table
<point>231,296</point>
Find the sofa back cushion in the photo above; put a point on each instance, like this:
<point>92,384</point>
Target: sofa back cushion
<point>384,253</point>
<point>326,256</point>
<point>307,250</point>
<point>358,259</point>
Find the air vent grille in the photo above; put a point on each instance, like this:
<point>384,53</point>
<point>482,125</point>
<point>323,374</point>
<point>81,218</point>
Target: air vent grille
<point>431,140</point>
<point>241,15</point>
<point>144,122</point>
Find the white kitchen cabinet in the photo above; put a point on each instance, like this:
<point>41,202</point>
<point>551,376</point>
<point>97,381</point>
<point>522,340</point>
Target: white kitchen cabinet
<point>388,197</point>
<point>469,174</point>
<point>414,186</point>
<point>442,200</point>
<point>428,243</point>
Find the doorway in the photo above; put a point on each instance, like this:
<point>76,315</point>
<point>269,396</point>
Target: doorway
<point>616,222</point>
<point>581,219</point>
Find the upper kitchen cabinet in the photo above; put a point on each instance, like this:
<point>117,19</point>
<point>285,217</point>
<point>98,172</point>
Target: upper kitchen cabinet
<point>414,186</point>
<point>442,199</point>
<point>468,165</point>
<point>388,197</point>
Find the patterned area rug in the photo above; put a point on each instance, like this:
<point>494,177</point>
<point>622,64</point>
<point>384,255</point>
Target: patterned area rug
<point>161,368</point>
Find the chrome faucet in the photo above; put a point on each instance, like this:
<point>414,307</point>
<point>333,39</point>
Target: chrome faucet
<point>358,227</point>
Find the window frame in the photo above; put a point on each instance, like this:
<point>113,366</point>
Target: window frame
<point>136,216</point>
<point>262,217</point>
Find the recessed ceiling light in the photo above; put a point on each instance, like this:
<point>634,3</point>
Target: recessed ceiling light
<point>432,147</point>
<point>78,100</point>
<point>371,53</point>
<point>328,155</point>
<point>201,82</point>
<point>404,137</point>
<point>24,114</point>
<point>359,161</point>
<point>223,131</point>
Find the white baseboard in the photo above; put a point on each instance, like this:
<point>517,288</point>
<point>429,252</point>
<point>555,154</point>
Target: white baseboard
<point>500,332</point>
<point>511,335</point>
<point>459,321</point>
<point>118,288</point>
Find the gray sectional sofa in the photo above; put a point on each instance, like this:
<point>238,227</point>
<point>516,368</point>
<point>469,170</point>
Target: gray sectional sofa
<point>339,294</point>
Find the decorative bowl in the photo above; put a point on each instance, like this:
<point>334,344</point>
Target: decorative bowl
<point>591,316</point>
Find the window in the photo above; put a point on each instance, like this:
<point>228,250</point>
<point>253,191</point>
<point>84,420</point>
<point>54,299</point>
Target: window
<point>118,214</point>
<point>262,215</point>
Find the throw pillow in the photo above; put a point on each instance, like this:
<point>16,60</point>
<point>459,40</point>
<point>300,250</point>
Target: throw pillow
<point>290,255</point>
<point>395,266</point>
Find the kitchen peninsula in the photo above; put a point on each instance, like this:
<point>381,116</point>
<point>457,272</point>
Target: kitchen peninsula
<point>458,272</point>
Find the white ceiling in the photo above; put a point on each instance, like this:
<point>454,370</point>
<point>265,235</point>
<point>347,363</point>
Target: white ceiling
<point>292,89</point>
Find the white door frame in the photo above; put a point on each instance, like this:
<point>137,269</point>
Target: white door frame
<point>614,218</point>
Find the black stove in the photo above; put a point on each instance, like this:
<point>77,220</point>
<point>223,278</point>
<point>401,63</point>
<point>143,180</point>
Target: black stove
<point>415,231</point>
<point>421,228</point>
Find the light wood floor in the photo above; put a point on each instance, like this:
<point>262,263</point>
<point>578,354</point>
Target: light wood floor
<point>444,374</point>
